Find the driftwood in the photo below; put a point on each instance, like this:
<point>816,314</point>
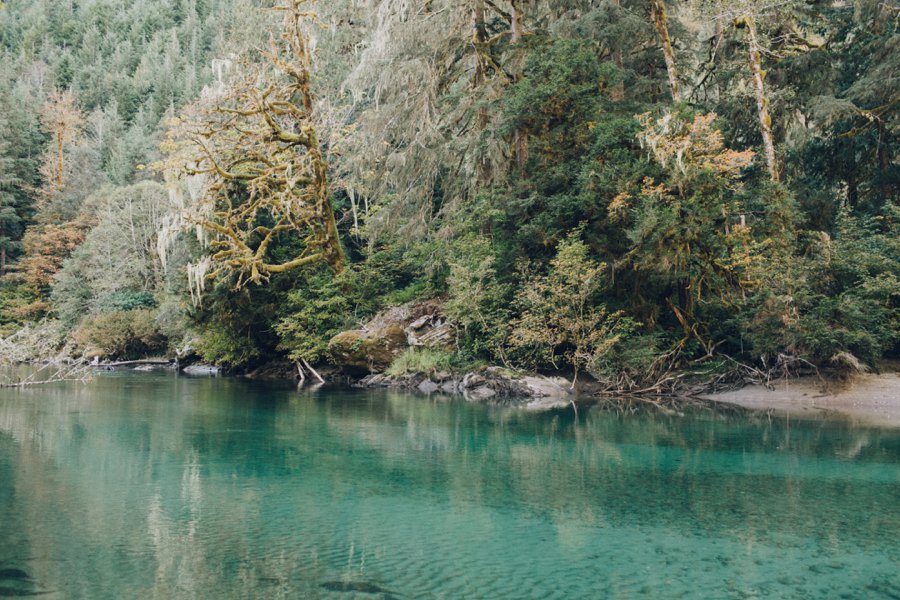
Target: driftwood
<point>670,378</point>
<point>51,373</point>
<point>303,366</point>
<point>159,362</point>
<point>313,371</point>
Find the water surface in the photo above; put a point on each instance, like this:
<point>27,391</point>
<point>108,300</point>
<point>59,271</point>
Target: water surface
<point>157,486</point>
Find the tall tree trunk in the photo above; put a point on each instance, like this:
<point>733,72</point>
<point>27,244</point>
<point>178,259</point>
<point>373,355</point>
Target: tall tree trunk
<point>852,189</point>
<point>2,261</point>
<point>479,38</point>
<point>517,29</point>
<point>661,22</point>
<point>332,250</point>
<point>515,18</point>
<point>762,103</point>
<point>618,91</point>
<point>60,158</point>
<point>718,43</point>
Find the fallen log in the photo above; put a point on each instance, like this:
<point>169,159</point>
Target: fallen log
<point>158,362</point>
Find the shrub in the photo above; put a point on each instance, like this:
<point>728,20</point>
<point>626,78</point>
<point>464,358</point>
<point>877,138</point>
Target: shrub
<point>477,303</point>
<point>422,360</point>
<point>126,300</point>
<point>318,310</point>
<point>226,347</point>
<point>121,334</point>
<point>839,298</point>
<point>561,317</point>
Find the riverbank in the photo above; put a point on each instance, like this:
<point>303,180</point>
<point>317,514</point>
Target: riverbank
<point>867,399</point>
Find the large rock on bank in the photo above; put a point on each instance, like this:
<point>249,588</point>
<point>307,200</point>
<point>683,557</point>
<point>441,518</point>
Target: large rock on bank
<point>367,350</point>
<point>373,347</point>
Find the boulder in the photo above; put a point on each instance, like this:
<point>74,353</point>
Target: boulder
<point>547,387</point>
<point>374,347</point>
<point>480,393</point>
<point>367,350</point>
<point>450,386</point>
<point>431,331</point>
<point>428,387</point>
<point>472,380</point>
<point>201,370</point>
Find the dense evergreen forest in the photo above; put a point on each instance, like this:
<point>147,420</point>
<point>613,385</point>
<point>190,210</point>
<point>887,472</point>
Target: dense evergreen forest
<point>626,188</point>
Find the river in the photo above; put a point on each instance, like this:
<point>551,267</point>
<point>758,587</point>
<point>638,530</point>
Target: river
<point>160,486</point>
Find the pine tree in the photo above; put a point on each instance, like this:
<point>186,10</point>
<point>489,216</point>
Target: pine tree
<point>11,224</point>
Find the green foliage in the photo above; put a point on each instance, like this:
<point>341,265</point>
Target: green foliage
<point>676,228</point>
<point>13,300</point>
<point>560,88</point>
<point>631,358</point>
<point>236,329</point>
<point>560,316</point>
<point>423,360</point>
<point>580,147</point>
<point>316,311</point>
<point>121,334</point>
<point>127,300</point>
<point>689,247</point>
<point>477,301</point>
<point>841,296</point>
<point>228,348</point>
<point>11,221</point>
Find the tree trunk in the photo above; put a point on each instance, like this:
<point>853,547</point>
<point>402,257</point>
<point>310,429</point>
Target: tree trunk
<point>852,189</point>
<point>479,38</point>
<point>618,91</point>
<point>2,261</point>
<point>660,21</point>
<point>515,18</point>
<point>333,251</point>
<point>60,166</point>
<point>516,28</point>
<point>762,103</point>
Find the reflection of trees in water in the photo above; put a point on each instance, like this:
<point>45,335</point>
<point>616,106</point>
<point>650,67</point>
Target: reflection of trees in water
<point>729,470</point>
<point>216,472</point>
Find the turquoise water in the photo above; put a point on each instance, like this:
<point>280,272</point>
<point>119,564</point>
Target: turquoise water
<point>155,486</point>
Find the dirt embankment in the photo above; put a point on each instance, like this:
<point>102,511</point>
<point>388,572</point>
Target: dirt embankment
<point>867,399</point>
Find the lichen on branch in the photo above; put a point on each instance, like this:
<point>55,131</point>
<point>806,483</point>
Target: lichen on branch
<point>253,140</point>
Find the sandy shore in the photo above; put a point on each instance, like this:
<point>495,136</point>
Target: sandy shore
<point>868,399</point>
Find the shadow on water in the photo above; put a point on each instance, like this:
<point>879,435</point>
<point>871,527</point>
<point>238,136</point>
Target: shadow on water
<point>363,587</point>
<point>16,583</point>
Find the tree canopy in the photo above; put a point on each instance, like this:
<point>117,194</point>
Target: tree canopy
<point>628,187</point>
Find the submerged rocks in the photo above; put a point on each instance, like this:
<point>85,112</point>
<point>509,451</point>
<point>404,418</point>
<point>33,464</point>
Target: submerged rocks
<point>547,387</point>
<point>492,383</point>
<point>202,370</point>
<point>496,381</point>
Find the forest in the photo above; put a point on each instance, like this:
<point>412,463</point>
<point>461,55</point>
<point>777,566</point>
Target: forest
<point>618,190</point>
